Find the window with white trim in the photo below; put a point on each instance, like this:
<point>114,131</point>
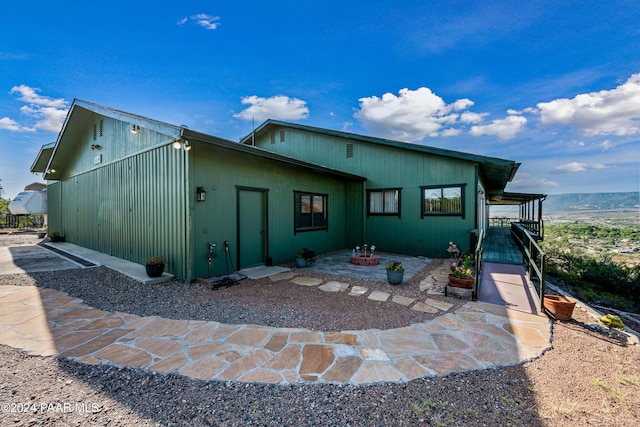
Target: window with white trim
<point>384,201</point>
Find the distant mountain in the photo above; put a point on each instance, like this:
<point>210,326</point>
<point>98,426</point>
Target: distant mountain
<point>591,201</point>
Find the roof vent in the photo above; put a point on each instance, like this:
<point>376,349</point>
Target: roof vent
<point>349,150</point>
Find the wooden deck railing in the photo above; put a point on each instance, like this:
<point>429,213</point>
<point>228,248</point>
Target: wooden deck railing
<point>535,227</point>
<point>533,258</point>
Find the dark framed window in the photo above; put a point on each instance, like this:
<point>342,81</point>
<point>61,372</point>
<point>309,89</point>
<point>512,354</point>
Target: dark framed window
<point>443,200</point>
<point>310,211</point>
<point>384,201</point>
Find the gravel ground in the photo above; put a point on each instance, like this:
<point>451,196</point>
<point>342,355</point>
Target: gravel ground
<point>587,378</point>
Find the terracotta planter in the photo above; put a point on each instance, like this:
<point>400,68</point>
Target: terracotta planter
<point>560,307</point>
<point>154,270</point>
<point>461,283</point>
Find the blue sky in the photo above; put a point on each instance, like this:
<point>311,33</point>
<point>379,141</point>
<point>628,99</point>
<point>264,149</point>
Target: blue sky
<point>553,85</point>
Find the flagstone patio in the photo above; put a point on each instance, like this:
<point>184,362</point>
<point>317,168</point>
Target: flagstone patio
<point>47,322</point>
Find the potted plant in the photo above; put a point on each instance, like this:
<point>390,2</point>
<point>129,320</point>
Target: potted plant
<point>305,257</point>
<point>461,275</point>
<point>154,266</point>
<point>55,236</point>
<point>395,272</point>
<point>560,307</point>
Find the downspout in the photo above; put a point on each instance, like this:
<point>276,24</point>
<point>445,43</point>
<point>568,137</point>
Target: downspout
<point>187,258</point>
<point>363,204</point>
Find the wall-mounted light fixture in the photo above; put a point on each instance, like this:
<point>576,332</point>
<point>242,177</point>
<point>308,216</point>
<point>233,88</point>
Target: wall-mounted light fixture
<point>136,129</point>
<point>201,195</point>
<point>95,147</point>
<point>181,143</point>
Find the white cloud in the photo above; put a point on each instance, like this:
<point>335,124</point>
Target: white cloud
<point>49,113</point>
<point>206,21</point>
<point>506,128</point>
<point>410,116</point>
<point>49,118</point>
<point>469,117</point>
<point>606,144</point>
<point>30,96</point>
<point>607,112</point>
<point>7,123</point>
<point>203,20</point>
<point>450,132</point>
<point>278,107</point>
<point>573,167</point>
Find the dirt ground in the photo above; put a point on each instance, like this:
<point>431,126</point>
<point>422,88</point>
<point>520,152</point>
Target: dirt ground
<point>587,378</point>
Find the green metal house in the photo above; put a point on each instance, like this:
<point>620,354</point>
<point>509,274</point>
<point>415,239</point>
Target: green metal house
<point>134,187</point>
<point>130,187</point>
<point>417,198</point>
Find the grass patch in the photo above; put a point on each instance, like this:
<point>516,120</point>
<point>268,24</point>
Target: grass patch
<point>566,409</point>
<point>439,414</point>
<point>615,393</point>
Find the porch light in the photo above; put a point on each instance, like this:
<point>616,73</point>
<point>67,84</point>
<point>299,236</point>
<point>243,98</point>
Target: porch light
<point>181,143</point>
<point>136,129</point>
<point>201,195</point>
<point>52,171</point>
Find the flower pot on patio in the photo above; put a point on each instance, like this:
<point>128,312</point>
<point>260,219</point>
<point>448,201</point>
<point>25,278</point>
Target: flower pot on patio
<point>461,283</point>
<point>301,262</point>
<point>395,277</point>
<point>395,272</point>
<point>560,307</point>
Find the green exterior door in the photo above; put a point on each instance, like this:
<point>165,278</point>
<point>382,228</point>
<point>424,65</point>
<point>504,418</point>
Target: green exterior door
<point>252,227</point>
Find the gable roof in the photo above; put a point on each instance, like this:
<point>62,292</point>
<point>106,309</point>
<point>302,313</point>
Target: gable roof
<point>42,159</point>
<point>55,156</point>
<point>495,171</point>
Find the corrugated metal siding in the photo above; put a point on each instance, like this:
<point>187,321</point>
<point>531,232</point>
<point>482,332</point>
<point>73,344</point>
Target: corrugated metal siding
<point>54,221</point>
<point>219,171</point>
<point>389,167</point>
<point>133,208</point>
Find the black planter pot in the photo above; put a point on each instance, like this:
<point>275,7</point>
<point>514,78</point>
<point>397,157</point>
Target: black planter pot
<point>154,270</point>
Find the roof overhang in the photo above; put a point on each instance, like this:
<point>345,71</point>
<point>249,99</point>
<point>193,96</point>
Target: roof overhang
<point>515,198</point>
<point>43,158</point>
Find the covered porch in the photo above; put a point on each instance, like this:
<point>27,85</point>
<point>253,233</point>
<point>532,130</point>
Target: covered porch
<point>510,270</point>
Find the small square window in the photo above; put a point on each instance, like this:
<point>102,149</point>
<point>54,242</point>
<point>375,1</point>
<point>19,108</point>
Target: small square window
<point>310,211</point>
<point>384,202</point>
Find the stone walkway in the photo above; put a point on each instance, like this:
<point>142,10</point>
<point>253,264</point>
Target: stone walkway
<point>47,322</point>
